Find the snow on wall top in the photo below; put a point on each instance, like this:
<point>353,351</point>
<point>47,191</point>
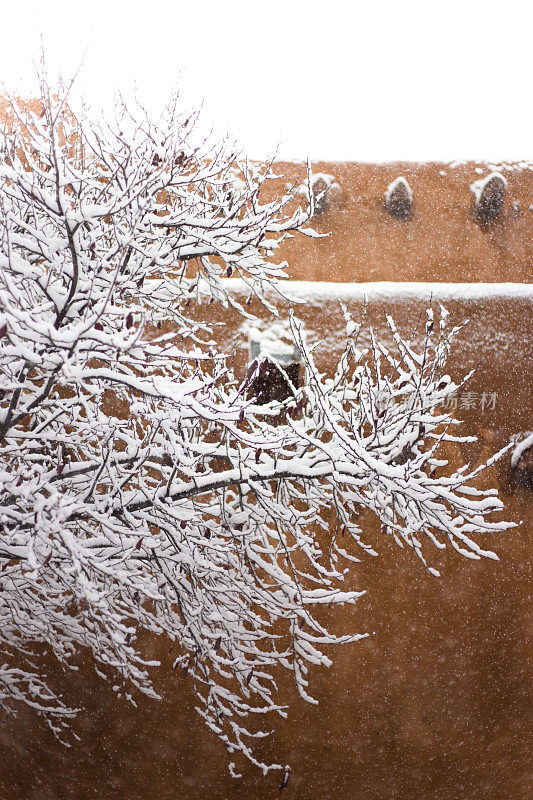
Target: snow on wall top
<point>302,290</point>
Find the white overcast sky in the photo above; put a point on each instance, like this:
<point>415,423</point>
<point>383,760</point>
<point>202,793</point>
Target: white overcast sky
<point>368,81</point>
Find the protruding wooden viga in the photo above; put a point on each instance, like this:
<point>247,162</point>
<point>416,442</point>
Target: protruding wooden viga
<point>399,199</point>
<point>489,196</point>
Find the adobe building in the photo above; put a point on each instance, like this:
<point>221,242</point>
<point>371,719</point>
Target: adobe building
<point>436,703</point>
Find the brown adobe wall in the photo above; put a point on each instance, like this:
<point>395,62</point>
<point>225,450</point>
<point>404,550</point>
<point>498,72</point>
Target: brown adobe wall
<point>441,241</point>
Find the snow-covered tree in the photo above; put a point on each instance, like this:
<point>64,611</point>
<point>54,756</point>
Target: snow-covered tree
<point>143,487</point>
